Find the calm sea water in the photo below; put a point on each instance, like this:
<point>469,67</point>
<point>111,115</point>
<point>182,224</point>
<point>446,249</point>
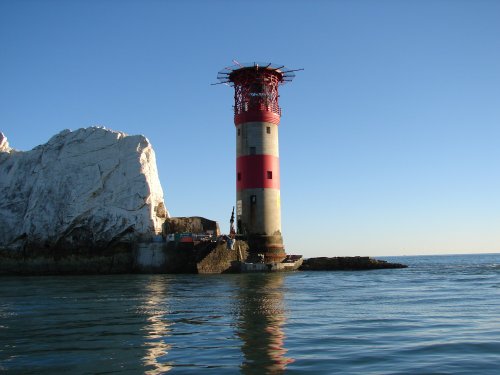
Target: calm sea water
<point>441,315</point>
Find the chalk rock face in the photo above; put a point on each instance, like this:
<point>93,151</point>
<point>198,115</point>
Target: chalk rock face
<point>4,144</point>
<point>89,187</point>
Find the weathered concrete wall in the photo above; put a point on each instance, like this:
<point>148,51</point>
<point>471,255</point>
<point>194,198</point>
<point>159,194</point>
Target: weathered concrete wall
<point>150,257</point>
<point>194,224</point>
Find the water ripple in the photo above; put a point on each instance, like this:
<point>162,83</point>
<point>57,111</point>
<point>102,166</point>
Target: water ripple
<point>438,316</point>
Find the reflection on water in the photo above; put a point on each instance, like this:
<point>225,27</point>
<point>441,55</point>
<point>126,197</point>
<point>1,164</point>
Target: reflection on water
<point>438,316</point>
<point>260,323</point>
<point>157,330</point>
<point>176,323</point>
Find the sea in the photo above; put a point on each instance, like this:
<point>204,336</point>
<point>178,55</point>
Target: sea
<point>441,315</point>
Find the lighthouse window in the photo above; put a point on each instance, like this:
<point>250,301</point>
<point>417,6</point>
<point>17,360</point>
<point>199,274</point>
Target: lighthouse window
<point>269,175</point>
<point>239,176</point>
<point>239,131</point>
<point>253,199</point>
<point>268,130</point>
<point>252,150</point>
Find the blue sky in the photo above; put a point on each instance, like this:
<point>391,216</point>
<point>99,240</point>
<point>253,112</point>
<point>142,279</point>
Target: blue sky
<point>389,139</point>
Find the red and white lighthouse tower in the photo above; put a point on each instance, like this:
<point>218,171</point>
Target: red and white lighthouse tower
<point>256,117</point>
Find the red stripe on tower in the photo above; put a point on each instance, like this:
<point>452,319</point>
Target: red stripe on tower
<point>257,116</point>
<point>257,171</point>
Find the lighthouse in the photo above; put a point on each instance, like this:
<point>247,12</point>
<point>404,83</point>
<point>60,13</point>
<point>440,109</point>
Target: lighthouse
<point>257,117</point>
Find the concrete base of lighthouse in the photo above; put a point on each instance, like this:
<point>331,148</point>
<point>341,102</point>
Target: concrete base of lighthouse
<point>270,246</point>
<point>259,220</point>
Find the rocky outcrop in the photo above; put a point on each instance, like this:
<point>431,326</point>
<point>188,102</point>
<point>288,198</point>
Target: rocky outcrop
<point>346,264</point>
<point>83,191</point>
<point>222,259</point>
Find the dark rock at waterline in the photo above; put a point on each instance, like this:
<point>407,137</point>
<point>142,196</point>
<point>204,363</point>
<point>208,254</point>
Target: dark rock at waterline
<point>118,258</point>
<point>40,260</point>
<point>346,264</point>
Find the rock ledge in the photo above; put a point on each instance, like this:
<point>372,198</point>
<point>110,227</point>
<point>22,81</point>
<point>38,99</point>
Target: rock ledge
<point>346,264</point>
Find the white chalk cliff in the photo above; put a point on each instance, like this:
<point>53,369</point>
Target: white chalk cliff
<point>88,187</point>
<point>4,144</point>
